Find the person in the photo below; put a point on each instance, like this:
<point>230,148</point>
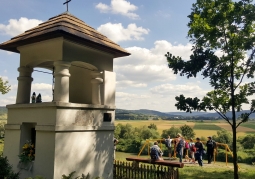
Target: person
<point>211,145</point>
<point>186,150</point>
<point>168,143</point>
<point>155,152</point>
<point>199,152</point>
<point>179,146</point>
<point>192,150</point>
<point>115,141</point>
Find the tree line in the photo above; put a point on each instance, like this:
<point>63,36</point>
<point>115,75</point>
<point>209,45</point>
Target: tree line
<point>131,140</point>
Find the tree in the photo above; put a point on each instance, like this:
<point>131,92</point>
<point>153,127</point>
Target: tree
<point>223,37</point>
<point>187,132</point>
<point>173,131</point>
<point>152,126</point>
<point>248,141</point>
<point>223,136</point>
<point>4,88</point>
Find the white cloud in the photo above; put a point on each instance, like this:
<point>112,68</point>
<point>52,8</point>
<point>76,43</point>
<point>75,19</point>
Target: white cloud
<point>16,27</point>
<point>170,89</point>
<point>8,100</point>
<point>117,32</point>
<point>4,78</point>
<point>126,83</point>
<point>149,65</point>
<point>41,86</point>
<point>129,96</point>
<point>122,7</point>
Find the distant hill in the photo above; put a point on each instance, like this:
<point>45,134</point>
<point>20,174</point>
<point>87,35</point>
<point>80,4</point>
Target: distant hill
<point>188,114</point>
<point>146,114</point>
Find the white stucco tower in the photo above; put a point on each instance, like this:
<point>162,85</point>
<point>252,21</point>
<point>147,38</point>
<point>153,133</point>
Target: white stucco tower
<point>74,132</point>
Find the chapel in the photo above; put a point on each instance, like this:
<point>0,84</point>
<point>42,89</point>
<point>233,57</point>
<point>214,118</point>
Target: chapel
<point>73,132</point>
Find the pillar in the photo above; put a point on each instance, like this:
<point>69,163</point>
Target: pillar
<point>61,88</point>
<point>24,85</point>
<point>96,81</point>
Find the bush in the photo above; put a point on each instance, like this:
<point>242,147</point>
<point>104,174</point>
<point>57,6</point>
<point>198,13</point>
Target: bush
<point>173,131</point>
<point>6,169</point>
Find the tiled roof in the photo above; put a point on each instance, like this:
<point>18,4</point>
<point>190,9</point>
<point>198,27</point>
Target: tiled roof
<point>71,28</point>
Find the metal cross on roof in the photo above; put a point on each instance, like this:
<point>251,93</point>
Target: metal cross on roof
<point>67,1</point>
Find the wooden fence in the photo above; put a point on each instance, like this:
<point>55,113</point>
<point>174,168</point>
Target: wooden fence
<point>127,170</point>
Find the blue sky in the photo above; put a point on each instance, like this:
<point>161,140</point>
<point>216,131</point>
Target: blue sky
<point>147,29</point>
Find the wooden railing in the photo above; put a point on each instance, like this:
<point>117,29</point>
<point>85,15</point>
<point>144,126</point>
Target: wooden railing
<point>128,170</point>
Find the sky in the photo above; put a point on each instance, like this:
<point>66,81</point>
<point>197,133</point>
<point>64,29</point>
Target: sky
<point>146,28</point>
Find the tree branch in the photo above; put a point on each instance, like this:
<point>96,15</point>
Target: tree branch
<point>245,71</point>
<point>223,116</point>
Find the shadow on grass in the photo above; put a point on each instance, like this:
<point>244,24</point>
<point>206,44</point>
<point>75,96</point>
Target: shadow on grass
<point>209,173</point>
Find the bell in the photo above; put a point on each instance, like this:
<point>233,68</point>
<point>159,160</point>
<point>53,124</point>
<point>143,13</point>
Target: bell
<point>33,97</point>
<point>39,98</point>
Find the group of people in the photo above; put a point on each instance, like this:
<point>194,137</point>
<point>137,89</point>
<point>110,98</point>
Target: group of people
<point>193,149</point>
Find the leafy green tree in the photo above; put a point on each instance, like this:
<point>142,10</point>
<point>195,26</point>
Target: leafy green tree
<point>4,88</point>
<point>187,132</point>
<point>248,141</point>
<point>223,37</point>
<point>173,131</point>
<point>223,136</point>
<point>152,126</point>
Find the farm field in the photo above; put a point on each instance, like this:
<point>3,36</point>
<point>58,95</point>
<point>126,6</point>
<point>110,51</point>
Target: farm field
<point>206,128</point>
<point>217,170</point>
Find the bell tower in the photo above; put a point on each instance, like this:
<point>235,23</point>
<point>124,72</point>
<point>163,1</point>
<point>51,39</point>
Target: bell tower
<point>74,132</point>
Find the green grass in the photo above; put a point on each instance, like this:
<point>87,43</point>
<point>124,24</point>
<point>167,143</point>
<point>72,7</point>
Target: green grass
<point>216,171</point>
<point>219,170</point>
<point>201,126</point>
<point>250,125</point>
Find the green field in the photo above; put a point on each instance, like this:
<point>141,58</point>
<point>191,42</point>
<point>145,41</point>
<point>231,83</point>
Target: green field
<point>249,125</point>
<point>205,128</point>
<point>219,170</point>
<point>201,126</point>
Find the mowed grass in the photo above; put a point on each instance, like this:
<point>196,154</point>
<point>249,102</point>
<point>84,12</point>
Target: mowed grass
<point>219,170</point>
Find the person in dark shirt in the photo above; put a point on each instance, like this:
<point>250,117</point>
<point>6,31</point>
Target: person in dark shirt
<point>156,153</point>
<point>211,145</point>
<point>199,151</point>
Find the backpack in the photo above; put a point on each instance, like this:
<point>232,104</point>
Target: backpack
<point>167,143</point>
<point>193,148</point>
<point>180,144</point>
<point>186,145</point>
<point>154,154</point>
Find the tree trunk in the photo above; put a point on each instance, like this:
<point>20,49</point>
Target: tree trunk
<point>235,153</point>
<point>233,105</point>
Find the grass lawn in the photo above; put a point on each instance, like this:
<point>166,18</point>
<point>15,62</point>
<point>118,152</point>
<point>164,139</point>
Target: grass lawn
<point>219,170</point>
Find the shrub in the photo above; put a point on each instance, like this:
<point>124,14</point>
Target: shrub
<point>6,169</point>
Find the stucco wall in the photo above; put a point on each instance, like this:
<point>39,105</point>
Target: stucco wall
<point>69,137</point>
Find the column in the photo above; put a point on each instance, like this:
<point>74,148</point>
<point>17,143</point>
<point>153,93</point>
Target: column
<point>61,88</point>
<point>24,85</point>
<point>96,81</point>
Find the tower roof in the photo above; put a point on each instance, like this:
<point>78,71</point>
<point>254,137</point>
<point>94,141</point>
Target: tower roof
<point>69,27</point>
